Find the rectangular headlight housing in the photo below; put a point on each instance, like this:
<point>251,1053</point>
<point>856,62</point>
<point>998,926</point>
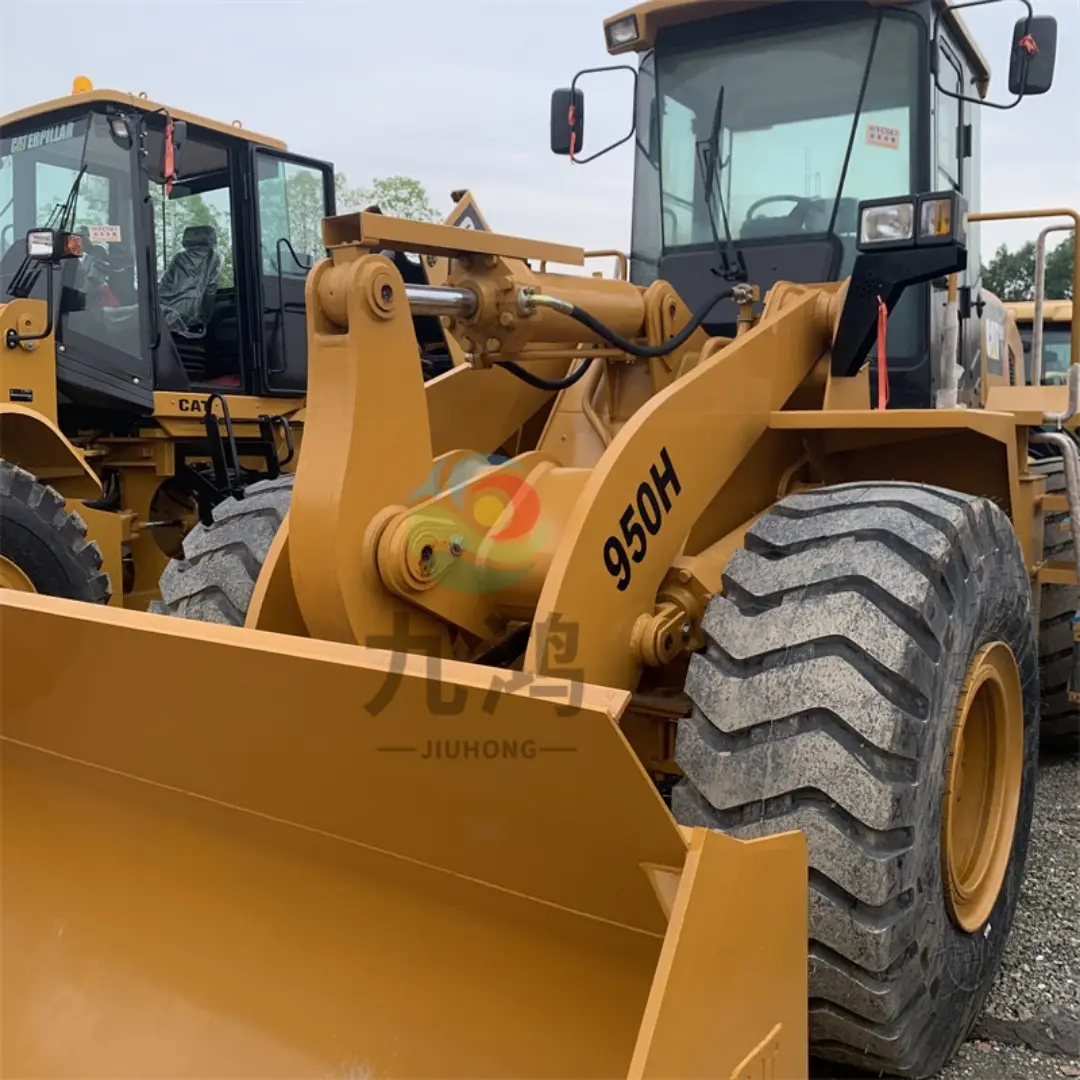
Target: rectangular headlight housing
<point>48,245</point>
<point>621,33</point>
<point>886,223</point>
<point>912,221</point>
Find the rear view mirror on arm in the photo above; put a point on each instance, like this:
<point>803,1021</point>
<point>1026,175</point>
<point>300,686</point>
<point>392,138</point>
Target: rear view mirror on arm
<point>568,116</point>
<point>1032,52</point>
<point>567,121</point>
<point>1031,65</point>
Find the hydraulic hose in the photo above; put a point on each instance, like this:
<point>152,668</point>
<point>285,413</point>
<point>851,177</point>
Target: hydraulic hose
<point>642,352</point>
<point>527,376</point>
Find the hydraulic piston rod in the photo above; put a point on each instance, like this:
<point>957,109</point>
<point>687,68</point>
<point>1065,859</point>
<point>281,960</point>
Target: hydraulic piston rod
<point>441,300</point>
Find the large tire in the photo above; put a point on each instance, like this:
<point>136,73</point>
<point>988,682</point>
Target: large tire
<point>1060,727</point>
<point>215,579</point>
<point>825,701</point>
<point>46,542</point>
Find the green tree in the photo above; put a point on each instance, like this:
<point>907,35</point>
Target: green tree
<point>1011,274</point>
<point>1059,271</point>
<point>400,196</point>
<point>347,198</point>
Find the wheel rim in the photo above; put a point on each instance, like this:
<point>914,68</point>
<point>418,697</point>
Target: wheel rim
<point>982,792</point>
<point>11,577</point>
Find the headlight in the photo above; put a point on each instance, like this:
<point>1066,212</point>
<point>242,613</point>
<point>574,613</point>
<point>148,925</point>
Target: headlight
<point>882,224</point>
<point>622,32</point>
<point>49,244</point>
<point>40,245</point>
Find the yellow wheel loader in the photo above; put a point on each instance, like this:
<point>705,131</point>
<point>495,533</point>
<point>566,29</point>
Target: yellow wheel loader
<point>153,350</point>
<point>1045,330</point>
<point>520,760</point>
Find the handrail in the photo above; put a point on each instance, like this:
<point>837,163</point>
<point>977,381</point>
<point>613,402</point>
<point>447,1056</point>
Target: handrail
<point>1040,297</point>
<point>620,258</point>
<point>1020,215</point>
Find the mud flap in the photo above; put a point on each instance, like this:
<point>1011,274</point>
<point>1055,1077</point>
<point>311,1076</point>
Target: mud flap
<point>220,857</point>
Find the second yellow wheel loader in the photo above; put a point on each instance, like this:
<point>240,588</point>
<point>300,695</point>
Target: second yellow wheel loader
<point>689,732</point>
<point>1045,329</point>
<point>154,365</point>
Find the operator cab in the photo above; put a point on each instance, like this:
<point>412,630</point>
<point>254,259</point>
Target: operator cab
<point>184,283</point>
<point>1056,337</point>
<point>761,127</point>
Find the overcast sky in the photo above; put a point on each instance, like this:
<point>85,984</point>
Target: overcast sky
<point>456,93</point>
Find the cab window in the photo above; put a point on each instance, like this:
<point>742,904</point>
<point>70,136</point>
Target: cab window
<point>84,163</point>
<point>195,224</point>
<point>292,204</point>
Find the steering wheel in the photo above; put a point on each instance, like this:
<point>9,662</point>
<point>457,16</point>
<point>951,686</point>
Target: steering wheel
<point>112,262</point>
<point>799,200</point>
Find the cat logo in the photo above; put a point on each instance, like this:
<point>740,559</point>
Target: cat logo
<point>195,405</point>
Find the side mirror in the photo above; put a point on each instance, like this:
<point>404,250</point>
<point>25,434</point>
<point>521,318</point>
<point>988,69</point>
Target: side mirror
<point>567,121</point>
<point>1031,65</point>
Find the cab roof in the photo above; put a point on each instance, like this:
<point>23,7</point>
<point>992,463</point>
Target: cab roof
<point>1054,311</point>
<point>142,104</point>
<point>656,15</point>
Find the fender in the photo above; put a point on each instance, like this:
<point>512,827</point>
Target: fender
<point>34,442</point>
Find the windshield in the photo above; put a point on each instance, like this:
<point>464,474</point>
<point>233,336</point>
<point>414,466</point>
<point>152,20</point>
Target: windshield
<point>789,113</point>
<point>1056,352</point>
<point>39,163</point>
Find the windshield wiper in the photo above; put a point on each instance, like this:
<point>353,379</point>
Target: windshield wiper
<point>859,102</point>
<point>730,263</point>
<point>61,218</point>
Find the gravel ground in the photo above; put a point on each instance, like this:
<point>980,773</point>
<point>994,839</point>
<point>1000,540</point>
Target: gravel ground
<point>1035,1001</point>
<point>1041,968</point>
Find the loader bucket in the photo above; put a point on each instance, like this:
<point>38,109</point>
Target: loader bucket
<point>217,862</point>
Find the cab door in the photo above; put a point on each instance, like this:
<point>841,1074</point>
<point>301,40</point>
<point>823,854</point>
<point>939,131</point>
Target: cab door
<point>292,196</point>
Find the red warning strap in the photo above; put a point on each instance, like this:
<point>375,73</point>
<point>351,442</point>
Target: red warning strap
<point>882,362</point>
<point>170,164</point>
<point>1027,43</point>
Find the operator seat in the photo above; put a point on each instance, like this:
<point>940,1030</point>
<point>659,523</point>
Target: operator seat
<point>190,283</point>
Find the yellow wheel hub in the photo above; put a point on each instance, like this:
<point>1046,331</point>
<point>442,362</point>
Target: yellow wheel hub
<point>982,792</point>
<point>11,577</point>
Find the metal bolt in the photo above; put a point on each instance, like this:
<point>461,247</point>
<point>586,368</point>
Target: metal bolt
<point>507,319</point>
<point>457,545</point>
<point>493,344</point>
<point>387,293</point>
<point>687,629</point>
